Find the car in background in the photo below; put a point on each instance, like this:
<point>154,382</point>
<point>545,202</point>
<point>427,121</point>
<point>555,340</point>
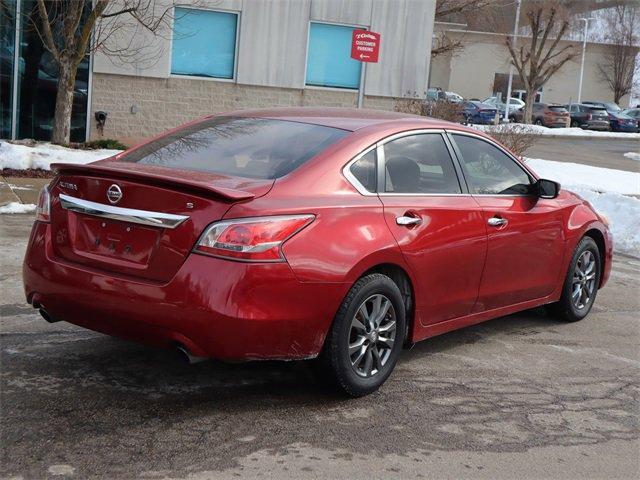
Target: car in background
<point>514,103</point>
<point>453,97</point>
<point>479,112</point>
<point>635,114</point>
<point>618,120</point>
<point>549,115</point>
<point>435,94</point>
<point>589,117</point>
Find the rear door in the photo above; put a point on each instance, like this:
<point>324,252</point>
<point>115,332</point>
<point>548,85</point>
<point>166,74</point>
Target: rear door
<point>437,224</point>
<point>525,233</point>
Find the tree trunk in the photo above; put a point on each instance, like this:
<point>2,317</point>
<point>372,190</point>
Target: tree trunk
<point>528,107</point>
<point>64,103</point>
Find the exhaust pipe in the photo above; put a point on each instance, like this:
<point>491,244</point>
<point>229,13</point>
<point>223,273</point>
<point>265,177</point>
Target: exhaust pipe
<point>186,357</point>
<point>47,317</point>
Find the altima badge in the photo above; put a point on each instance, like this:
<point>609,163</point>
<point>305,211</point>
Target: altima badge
<point>114,193</point>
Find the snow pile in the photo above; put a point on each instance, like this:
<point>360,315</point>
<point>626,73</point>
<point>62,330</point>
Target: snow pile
<point>17,207</point>
<point>632,155</point>
<point>22,157</point>
<point>585,176</point>
<point>607,190</point>
<point>565,132</point>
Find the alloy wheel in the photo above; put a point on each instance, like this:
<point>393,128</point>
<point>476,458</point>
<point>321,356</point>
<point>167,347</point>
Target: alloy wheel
<point>584,280</point>
<point>372,335</point>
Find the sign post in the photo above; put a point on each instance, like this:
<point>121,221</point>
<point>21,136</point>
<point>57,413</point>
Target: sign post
<point>365,47</point>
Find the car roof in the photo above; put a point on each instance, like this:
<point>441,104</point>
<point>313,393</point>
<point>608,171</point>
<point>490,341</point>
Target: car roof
<point>343,118</point>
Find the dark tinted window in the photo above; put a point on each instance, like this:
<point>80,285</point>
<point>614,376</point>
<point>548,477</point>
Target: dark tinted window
<point>238,146</point>
<point>489,170</point>
<point>598,111</point>
<point>364,170</point>
<point>419,164</point>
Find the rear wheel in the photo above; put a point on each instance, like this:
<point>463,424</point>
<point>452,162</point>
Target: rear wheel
<point>581,283</point>
<point>538,121</point>
<point>574,123</point>
<point>366,337</point>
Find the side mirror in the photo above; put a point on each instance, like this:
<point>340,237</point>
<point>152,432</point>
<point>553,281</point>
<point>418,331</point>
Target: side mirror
<point>547,188</point>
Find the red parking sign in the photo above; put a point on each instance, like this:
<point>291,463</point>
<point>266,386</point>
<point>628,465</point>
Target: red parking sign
<point>365,46</point>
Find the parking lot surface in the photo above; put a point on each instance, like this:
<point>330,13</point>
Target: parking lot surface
<point>607,153</point>
<point>518,397</point>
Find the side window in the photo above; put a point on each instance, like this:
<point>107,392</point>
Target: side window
<point>488,170</point>
<point>419,164</point>
<point>364,170</point>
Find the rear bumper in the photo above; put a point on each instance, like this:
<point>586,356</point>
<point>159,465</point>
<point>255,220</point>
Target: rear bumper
<point>214,307</point>
<point>596,125</point>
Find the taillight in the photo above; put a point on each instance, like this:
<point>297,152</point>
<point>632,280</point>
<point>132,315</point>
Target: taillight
<point>43,210</point>
<point>589,116</point>
<point>251,239</point>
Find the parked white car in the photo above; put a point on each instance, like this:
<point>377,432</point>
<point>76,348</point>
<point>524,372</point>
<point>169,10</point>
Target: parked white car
<point>453,97</point>
<point>514,103</point>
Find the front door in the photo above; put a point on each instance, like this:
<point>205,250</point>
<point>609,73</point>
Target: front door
<point>525,233</point>
<point>438,226</point>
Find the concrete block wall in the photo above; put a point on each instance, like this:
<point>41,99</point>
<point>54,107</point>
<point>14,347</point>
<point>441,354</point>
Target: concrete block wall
<point>163,103</point>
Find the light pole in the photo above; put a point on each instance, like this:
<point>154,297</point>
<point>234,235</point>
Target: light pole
<point>584,48</point>
<point>515,41</point>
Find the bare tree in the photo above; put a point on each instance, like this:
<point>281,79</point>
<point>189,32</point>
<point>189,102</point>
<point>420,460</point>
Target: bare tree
<point>454,10</point>
<point>539,56</point>
<point>619,67</point>
<point>71,29</point>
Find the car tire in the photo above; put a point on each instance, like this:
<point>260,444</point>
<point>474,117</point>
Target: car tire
<point>539,122</point>
<point>346,367</point>
<point>575,124</point>
<point>581,283</point>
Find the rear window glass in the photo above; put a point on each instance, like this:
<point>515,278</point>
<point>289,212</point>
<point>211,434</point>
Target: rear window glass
<point>556,108</point>
<point>239,146</point>
<point>598,111</point>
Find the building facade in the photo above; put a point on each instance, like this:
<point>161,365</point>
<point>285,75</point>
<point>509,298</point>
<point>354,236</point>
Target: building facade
<point>481,68</point>
<point>230,54</point>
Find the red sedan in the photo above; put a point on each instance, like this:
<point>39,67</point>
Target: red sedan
<point>302,233</point>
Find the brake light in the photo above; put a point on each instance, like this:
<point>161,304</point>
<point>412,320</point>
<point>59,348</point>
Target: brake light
<point>43,210</point>
<point>251,239</point>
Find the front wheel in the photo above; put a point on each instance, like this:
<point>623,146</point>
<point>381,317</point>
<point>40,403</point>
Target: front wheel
<point>365,340</point>
<point>581,283</point>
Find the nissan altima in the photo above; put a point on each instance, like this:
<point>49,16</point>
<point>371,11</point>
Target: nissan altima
<point>330,234</point>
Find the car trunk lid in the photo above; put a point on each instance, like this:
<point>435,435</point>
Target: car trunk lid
<point>138,220</point>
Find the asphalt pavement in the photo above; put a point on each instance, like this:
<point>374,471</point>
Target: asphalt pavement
<point>607,153</point>
<point>523,396</point>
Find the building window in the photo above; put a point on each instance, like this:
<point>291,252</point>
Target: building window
<point>204,43</point>
<point>329,62</point>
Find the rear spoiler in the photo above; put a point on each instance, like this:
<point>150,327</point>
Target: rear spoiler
<point>185,182</point>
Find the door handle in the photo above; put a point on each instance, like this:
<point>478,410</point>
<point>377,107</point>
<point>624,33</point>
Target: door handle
<point>497,221</point>
<point>407,221</point>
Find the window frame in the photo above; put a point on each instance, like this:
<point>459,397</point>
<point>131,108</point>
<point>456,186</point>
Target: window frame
<point>236,45</point>
<point>380,166</point>
<point>306,58</point>
<point>532,177</point>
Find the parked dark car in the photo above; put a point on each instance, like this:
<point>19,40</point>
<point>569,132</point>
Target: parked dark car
<point>481,113</point>
<point>618,120</point>
<point>635,114</point>
<point>589,117</point>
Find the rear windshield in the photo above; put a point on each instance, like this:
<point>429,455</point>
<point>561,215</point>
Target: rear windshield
<point>557,108</point>
<point>598,111</point>
<point>238,146</point>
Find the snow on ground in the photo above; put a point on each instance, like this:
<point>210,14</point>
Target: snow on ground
<point>17,207</point>
<point>632,155</point>
<point>564,132</point>
<point>22,157</point>
<point>607,190</point>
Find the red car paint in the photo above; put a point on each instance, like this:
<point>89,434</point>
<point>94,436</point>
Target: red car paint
<point>163,293</point>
